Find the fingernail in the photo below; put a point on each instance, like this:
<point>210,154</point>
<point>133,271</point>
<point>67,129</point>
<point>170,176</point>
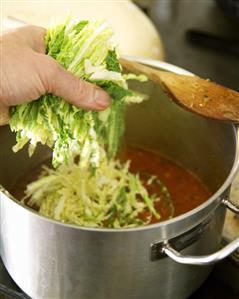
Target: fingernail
<point>101,98</point>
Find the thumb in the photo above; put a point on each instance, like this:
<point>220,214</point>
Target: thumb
<point>74,90</point>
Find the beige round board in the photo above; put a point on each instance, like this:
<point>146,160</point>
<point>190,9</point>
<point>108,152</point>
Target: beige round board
<point>134,32</point>
<point>231,227</point>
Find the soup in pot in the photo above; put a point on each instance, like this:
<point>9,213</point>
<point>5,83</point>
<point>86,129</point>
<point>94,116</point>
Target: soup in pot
<point>179,190</point>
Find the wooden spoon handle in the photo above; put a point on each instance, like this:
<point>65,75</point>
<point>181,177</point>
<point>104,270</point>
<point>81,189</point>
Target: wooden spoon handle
<point>155,75</point>
<point>4,115</point>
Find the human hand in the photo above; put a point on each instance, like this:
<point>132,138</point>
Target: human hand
<point>27,73</point>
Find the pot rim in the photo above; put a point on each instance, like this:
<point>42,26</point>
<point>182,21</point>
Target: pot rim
<point>168,67</point>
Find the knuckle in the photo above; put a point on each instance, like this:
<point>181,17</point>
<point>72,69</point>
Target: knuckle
<point>82,91</point>
<point>49,70</point>
<point>37,37</point>
<point>79,88</point>
<point>35,29</point>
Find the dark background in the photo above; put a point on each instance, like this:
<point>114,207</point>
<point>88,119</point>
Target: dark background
<point>174,18</point>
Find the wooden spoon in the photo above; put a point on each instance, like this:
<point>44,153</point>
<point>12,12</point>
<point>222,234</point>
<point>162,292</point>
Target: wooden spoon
<point>192,92</point>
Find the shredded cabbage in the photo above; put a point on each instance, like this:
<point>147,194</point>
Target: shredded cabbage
<point>98,191</point>
<point>87,50</point>
<point>112,197</point>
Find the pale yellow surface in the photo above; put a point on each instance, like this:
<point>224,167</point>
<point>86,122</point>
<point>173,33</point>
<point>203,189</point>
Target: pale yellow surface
<point>134,32</point>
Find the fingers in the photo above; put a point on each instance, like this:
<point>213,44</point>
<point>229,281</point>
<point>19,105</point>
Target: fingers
<point>30,36</point>
<point>35,73</point>
<point>4,115</point>
<point>78,92</point>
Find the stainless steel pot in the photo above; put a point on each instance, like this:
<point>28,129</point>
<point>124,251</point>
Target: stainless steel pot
<point>48,259</point>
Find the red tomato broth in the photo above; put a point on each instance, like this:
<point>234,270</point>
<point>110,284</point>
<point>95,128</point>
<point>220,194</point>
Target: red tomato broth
<point>186,190</point>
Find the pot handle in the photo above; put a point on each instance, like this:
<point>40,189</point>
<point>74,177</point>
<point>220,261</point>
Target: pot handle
<point>205,260</point>
<point>231,206</point>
